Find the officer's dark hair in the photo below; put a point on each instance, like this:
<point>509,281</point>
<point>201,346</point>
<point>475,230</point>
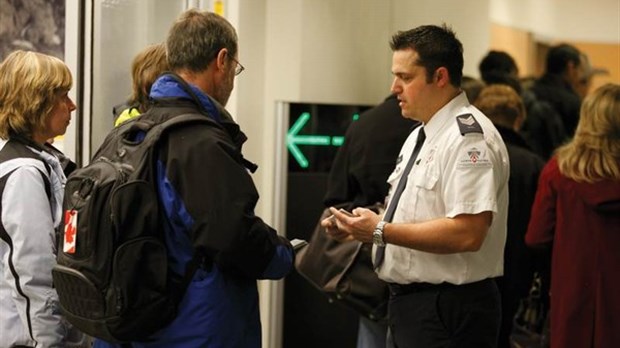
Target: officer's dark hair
<point>559,56</point>
<point>436,47</point>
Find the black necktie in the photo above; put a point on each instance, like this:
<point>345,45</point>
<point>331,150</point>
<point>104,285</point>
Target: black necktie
<point>389,213</point>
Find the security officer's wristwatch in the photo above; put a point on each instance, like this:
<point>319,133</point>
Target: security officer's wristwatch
<point>377,235</point>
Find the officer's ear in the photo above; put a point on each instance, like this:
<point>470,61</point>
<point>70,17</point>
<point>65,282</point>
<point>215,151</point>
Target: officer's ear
<point>441,77</point>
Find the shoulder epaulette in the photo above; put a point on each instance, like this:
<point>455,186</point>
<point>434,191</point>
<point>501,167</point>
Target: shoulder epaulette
<point>468,124</point>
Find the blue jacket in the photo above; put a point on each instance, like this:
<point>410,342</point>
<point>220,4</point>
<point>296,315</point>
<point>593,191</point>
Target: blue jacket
<point>209,198</point>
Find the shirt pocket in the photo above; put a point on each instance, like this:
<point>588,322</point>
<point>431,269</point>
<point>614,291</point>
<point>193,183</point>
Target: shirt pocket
<point>422,194</point>
<point>425,177</point>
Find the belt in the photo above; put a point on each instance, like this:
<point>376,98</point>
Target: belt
<point>403,289</point>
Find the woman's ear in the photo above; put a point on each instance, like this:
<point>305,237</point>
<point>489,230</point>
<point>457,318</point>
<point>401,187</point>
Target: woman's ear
<point>518,123</point>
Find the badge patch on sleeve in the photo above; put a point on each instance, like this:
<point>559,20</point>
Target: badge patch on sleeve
<point>468,124</point>
<point>473,158</point>
<point>71,217</point>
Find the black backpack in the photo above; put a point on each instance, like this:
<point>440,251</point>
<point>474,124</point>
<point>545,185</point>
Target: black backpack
<point>112,275</point>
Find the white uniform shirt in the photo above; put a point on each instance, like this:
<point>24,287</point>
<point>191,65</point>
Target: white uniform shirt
<point>454,174</point>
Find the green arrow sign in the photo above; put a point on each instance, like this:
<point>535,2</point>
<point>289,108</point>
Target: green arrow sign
<point>293,140</point>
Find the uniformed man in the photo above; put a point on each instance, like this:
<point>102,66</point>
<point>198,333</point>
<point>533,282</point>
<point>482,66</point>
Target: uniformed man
<point>441,239</point>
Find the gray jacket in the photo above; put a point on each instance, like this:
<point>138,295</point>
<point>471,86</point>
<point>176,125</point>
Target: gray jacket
<point>29,308</point>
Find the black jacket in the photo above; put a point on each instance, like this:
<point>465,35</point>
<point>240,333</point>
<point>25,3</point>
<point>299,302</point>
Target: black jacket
<point>543,128</point>
<point>368,156</point>
<point>554,90</point>
<point>206,170</point>
<point>519,261</point>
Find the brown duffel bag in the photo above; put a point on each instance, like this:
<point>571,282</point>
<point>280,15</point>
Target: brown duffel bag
<point>343,271</point>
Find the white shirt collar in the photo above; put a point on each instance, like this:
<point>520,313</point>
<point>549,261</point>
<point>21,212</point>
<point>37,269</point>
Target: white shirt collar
<point>446,114</point>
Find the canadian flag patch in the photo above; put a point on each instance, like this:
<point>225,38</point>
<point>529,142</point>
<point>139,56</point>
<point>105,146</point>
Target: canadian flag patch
<point>71,218</point>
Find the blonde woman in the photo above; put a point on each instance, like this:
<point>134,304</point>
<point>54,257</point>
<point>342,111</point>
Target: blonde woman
<point>34,107</point>
<point>145,69</point>
<point>577,212</point>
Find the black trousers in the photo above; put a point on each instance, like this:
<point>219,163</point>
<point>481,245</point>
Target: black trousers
<point>445,315</point>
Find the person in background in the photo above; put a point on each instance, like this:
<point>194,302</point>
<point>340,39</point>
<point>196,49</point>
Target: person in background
<point>208,195</point>
<point>34,107</point>
<point>576,213</point>
<point>440,242</point>
<point>359,175</point>
<point>145,69</point>
<point>583,85</point>
<point>498,67</point>
<point>472,87</point>
<point>505,109</point>
<point>543,129</point>
<point>563,70</point>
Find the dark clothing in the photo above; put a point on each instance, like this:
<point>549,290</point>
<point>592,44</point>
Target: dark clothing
<point>525,167</point>
<point>445,315</point>
<point>209,198</point>
<point>561,96</point>
<point>68,166</point>
<point>543,128</point>
<point>360,171</point>
<point>580,221</point>
<point>368,156</point>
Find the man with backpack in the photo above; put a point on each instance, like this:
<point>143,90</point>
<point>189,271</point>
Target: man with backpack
<point>207,195</point>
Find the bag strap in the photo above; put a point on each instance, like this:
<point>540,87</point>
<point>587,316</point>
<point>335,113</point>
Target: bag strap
<point>17,148</point>
<point>152,133</point>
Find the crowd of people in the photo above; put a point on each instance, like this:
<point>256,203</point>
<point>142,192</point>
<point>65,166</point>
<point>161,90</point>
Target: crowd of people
<point>485,182</point>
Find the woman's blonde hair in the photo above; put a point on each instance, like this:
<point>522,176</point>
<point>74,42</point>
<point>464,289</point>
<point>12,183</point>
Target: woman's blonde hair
<point>145,69</point>
<point>594,153</point>
<point>501,104</point>
<point>30,84</point>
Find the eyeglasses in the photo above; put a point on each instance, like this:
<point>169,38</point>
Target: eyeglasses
<point>239,68</point>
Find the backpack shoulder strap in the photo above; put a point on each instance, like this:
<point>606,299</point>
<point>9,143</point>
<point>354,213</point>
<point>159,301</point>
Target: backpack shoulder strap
<point>151,131</point>
<point>16,148</point>
<point>144,131</point>
<point>199,258</point>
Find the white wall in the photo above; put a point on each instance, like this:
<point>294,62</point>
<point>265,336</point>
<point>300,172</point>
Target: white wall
<point>68,142</point>
<point>345,53</point>
<point>469,19</point>
<point>120,30</point>
<point>596,21</point>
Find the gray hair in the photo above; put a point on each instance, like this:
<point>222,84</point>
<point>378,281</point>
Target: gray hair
<point>195,39</point>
